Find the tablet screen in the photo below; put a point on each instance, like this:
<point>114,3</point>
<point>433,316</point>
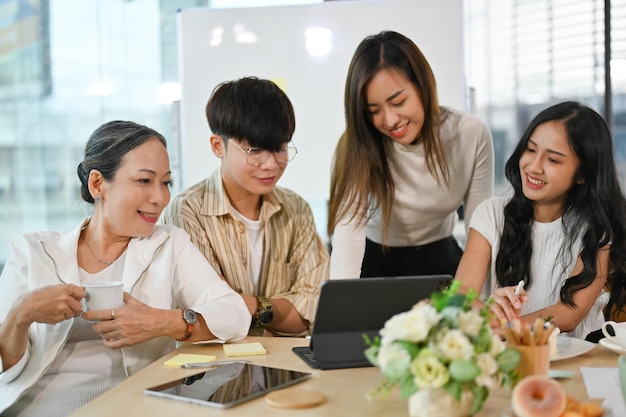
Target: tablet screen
<point>228,385</point>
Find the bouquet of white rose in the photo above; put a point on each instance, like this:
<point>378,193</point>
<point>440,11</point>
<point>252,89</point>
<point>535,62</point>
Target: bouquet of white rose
<point>443,343</point>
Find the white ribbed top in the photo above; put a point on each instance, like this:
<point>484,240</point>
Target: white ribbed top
<point>549,267</point>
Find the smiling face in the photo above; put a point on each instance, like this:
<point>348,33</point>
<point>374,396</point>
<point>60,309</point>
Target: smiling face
<point>395,106</point>
<point>548,168</point>
<point>132,202</point>
<point>243,181</point>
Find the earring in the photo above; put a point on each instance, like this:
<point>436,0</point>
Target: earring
<point>98,199</point>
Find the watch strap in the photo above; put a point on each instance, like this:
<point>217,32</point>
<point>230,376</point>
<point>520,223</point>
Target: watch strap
<point>190,327</point>
<point>265,306</point>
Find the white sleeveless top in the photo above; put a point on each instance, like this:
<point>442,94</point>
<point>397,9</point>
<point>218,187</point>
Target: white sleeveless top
<point>550,265</point>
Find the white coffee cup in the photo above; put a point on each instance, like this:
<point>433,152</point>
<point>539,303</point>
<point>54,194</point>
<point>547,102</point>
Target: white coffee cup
<point>620,332</point>
<point>103,295</point>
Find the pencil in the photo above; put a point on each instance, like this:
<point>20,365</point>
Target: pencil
<point>538,331</point>
<point>548,332</point>
<point>528,337</point>
<point>510,337</point>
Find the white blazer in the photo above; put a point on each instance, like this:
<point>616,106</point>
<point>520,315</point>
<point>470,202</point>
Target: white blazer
<point>164,270</point>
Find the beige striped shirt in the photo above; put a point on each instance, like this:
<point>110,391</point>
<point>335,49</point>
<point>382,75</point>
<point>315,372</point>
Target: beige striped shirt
<point>295,261</point>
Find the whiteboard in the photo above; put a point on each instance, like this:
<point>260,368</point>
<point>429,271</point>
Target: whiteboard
<point>216,45</point>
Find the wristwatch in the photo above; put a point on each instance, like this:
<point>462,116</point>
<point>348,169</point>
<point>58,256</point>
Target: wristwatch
<point>264,312</point>
<point>191,318</point>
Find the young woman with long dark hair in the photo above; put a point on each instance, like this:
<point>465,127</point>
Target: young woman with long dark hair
<point>562,231</point>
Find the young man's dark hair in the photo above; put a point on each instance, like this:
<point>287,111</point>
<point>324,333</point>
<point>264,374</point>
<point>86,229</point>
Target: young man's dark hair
<point>254,110</point>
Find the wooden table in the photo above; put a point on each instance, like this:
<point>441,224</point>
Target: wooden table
<point>347,389</point>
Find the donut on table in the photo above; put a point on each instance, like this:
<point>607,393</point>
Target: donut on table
<point>538,396</point>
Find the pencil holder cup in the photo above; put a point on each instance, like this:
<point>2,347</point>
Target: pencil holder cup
<point>534,360</point>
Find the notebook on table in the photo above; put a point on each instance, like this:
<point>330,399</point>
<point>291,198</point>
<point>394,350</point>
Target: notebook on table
<point>349,308</point>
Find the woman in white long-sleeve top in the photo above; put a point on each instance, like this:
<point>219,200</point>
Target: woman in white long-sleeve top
<point>54,357</point>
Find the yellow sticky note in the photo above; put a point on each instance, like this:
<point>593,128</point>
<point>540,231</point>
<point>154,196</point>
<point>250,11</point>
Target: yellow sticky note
<point>183,358</point>
<point>244,349</point>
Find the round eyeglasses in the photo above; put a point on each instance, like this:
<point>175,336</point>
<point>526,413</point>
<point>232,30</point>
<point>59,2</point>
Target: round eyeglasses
<point>258,156</point>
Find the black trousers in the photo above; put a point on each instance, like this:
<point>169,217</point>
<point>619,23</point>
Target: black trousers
<point>440,257</point>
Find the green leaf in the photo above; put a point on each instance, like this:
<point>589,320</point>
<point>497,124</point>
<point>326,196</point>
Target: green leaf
<point>464,370</point>
<point>407,387</point>
<point>409,347</point>
<point>370,342</point>
<point>470,297</point>
<point>486,310</point>
<point>371,353</point>
<point>508,360</point>
<point>480,394</point>
<point>454,388</point>
<point>510,379</point>
<point>384,389</point>
<point>454,288</point>
<point>439,300</point>
<point>483,341</point>
<point>456,300</point>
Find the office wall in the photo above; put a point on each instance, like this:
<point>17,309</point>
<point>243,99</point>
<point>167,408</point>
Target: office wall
<point>270,42</point>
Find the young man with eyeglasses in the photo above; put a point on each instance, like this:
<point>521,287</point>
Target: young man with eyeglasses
<point>261,238</point>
